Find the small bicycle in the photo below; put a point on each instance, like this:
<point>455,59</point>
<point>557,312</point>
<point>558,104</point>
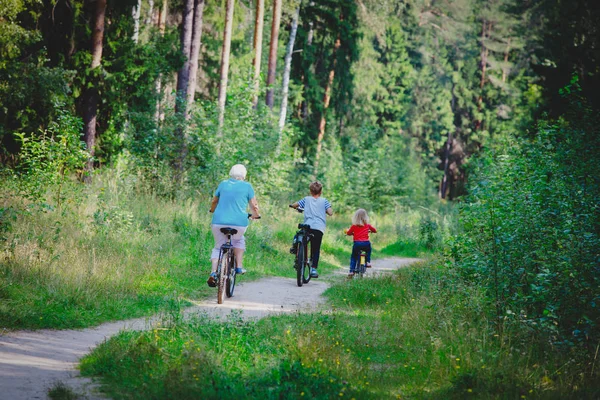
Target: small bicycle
<point>226,267</point>
<point>361,264</point>
<point>302,246</point>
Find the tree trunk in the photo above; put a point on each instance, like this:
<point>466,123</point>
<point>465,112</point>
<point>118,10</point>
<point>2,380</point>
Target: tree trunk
<point>504,68</point>
<point>195,51</point>
<point>484,55</point>
<point>309,40</point>
<point>286,72</point>
<point>91,96</point>
<point>186,43</point>
<point>136,21</point>
<point>225,64</point>
<point>257,43</point>
<point>273,52</point>
<point>150,14</point>
<point>162,23</point>
<point>326,99</point>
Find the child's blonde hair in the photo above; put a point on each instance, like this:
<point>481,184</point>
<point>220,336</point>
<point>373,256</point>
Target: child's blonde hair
<point>360,218</point>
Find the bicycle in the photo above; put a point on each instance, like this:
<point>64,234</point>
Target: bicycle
<point>361,264</point>
<point>302,245</point>
<point>226,267</point>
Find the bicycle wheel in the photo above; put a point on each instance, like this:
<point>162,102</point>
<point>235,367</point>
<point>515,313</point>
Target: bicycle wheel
<point>300,263</point>
<point>307,260</point>
<point>230,284</point>
<point>362,266</point>
<point>222,278</point>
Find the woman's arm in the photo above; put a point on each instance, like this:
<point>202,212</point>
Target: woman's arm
<point>213,204</point>
<point>254,207</point>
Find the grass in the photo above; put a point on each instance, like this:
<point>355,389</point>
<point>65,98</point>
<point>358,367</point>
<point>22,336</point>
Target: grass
<point>60,391</point>
<point>416,334</point>
<point>120,254</point>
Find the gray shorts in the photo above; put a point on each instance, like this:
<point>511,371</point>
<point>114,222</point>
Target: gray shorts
<point>238,240</point>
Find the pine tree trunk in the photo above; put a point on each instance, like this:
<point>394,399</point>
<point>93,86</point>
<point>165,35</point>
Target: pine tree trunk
<point>195,51</point>
<point>326,99</point>
<point>91,97</point>
<point>225,64</point>
<point>136,21</point>
<point>257,43</point>
<point>286,72</point>
<point>273,52</point>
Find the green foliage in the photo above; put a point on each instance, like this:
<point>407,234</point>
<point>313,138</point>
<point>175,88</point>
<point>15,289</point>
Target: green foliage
<point>531,232</point>
<point>50,160</point>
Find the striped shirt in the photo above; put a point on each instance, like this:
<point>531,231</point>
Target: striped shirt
<point>315,211</point>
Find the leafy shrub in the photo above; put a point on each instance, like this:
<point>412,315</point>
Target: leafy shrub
<point>532,229</point>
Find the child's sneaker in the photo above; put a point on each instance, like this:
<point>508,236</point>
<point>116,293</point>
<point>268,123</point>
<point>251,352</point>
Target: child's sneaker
<point>240,271</point>
<point>212,279</point>
<point>314,273</point>
<point>351,275</point>
<point>293,250</point>
<point>368,265</point>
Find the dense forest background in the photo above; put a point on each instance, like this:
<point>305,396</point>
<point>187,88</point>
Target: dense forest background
<point>482,114</point>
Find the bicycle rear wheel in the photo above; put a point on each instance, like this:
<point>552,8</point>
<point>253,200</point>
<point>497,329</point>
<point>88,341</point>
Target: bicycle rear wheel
<point>307,260</point>
<point>300,263</point>
<point>230,284</point>
<point>222,278</point>
<point>362,266</point>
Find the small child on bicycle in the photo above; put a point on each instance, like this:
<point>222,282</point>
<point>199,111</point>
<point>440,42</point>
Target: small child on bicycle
<point>360,229</point>
<point>316,208</point>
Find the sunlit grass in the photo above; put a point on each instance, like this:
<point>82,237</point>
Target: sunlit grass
<point>118,253</point>
<point>415,334</point>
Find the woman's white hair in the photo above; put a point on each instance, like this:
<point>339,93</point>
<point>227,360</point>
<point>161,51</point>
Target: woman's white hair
<point>238,171</point>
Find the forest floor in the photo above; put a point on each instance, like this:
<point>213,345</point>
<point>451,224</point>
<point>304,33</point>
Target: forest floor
<point>32,362</point>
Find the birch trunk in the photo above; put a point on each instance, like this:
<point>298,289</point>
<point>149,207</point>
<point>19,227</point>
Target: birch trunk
<point>273,52</point>
<point>287,66</point>
<point>162,22</point>
<point>194,52</point>
<point>225,64</point>
<point>257,43</point>
<point>186,43</point>
<point>136,21</point>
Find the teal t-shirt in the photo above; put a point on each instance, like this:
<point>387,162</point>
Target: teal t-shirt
<point>234,196</point>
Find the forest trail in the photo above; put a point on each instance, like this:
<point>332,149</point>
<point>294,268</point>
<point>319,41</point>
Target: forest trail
<point>31,362</point>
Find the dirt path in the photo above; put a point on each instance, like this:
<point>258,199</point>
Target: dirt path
<point>33,362</point>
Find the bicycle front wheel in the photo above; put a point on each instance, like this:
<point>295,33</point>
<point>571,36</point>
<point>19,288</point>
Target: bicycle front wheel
<point>300,263</point>
<point>230,284</point>
<point>307,261</point>
<point>222,278</point>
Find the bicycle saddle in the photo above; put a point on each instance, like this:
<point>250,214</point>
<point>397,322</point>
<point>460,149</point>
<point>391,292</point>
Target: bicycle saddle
<point>300,226</point>
<point>229,231</point>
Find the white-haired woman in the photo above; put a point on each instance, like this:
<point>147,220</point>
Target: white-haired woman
<point>229,208</point>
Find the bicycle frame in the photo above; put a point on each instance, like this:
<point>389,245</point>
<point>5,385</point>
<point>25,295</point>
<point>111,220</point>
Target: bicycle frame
<point>226,272</point>
<point>302,261</point>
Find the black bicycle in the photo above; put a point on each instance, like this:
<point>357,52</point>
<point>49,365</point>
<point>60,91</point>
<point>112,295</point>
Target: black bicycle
<point>302,248</point>
<point>226,268</point>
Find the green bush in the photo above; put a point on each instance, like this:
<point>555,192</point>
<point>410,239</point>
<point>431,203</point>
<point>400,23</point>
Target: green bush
<point>532,229</point>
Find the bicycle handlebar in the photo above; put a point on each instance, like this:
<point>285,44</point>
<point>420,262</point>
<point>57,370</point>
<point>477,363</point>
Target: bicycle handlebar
<point>300,210</point>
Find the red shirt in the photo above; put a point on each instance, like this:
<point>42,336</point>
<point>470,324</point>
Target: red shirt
<point>361,233</point>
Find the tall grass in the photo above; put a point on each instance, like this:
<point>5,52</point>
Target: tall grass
<point>118,253</point>
<point>417,334</point>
